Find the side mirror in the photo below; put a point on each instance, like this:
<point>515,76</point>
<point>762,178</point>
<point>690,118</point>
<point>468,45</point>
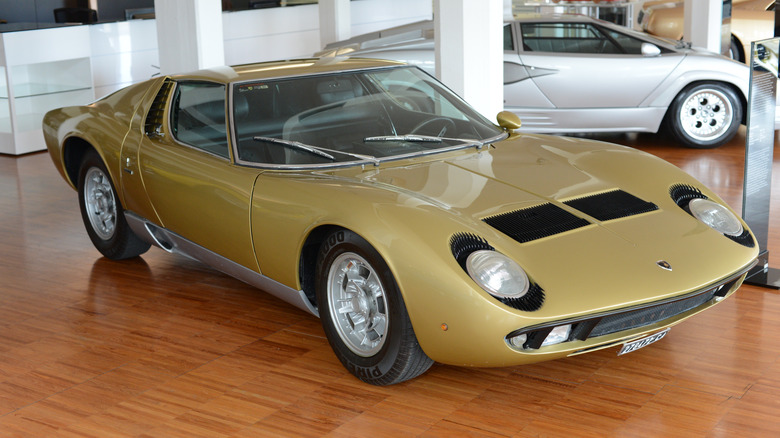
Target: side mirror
<point>650,50</point>
<point>508,121</point>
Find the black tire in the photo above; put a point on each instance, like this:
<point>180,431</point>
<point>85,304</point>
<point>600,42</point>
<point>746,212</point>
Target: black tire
<point>102,212</point>
<point>735,50</point>
<point>704,115</point>
<point>388,351</point>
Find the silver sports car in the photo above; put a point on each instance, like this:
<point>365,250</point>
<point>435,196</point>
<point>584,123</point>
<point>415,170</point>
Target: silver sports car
<point>572,73</point>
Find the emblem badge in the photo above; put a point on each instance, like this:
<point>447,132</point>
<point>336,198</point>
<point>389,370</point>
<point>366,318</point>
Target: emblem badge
<point>663,264</point>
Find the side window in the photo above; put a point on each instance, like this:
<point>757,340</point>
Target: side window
<point>198,116</point>
<point>509,44</point>
<point>631,46</point>
<point>566,38</point>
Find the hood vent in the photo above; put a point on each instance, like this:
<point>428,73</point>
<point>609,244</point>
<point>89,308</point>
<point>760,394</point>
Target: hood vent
<point>611,205</point>
<point>535,223</point>
<point>548,219</point>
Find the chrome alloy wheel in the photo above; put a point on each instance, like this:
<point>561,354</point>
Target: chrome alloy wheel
<point>100,203</point>
<point>357,304</point>
<point>706,114</point>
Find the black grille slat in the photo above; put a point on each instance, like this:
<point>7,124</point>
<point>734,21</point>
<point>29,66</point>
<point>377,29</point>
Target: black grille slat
<point>463,244</point>
<point>532,300</point>
<point>682,194</point>
<point>156,115</point>
<point>642,317</point>
<point>535,223</point>
<point>611,205</point>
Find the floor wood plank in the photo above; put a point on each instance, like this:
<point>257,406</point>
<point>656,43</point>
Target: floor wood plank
<point>164,346</point>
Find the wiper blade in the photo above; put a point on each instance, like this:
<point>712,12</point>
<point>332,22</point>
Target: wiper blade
<point>408,137</point>
<point>323,152</point>
<point>296,145</point>
<point>425,139</point>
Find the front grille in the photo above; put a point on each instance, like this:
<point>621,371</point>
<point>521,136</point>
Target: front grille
<point>649,315</point>
<point>627,320</point>
<point>611,205</point>
<point>535,223</point>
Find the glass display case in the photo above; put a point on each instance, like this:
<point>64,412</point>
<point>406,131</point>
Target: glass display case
<point>617,11</point>
<point>58,73</point>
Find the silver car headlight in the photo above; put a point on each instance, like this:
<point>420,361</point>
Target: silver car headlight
<point>497,274</point>
<point>715,216</point>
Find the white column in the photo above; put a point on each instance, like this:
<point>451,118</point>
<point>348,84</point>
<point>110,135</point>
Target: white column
<point>703,23</point>
<point>189,35</point>
<point>469,51</point>
<point>335,21</point>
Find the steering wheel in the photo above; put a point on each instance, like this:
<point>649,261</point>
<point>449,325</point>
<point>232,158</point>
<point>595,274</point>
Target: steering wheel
<point>444,122</point>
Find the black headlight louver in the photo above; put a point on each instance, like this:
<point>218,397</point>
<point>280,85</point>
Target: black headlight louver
<point>463,244</point>
<point>744,239</point>
<point>682,194</point>
<point>532,300</point>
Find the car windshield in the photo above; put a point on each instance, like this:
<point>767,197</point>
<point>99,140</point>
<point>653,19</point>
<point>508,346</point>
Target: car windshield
<point>352,117</point>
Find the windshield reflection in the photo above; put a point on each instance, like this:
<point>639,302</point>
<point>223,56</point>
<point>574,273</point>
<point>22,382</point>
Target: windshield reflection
<point>353,117</point>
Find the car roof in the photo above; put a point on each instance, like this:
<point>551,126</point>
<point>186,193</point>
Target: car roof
<point>287,68</point>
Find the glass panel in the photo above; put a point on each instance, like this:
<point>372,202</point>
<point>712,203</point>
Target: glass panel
<point>369,113</point>
<point>509,44</point>
<point>565,38</point>
<point>198,116</point>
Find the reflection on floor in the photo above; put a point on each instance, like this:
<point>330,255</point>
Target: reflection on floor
<point>163,346</point>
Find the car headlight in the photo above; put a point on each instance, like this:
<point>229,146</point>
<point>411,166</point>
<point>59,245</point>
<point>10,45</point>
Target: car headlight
<point>499,275</point>
<point>715,216</point>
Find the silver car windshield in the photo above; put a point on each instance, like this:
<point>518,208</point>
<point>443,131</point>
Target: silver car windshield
<point>352,117</point>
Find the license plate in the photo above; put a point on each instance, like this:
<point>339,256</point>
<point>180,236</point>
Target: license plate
<point>628,347</point>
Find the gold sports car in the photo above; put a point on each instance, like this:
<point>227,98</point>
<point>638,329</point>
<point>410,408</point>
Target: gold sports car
<point>367,193</point>
<point>751,20</point>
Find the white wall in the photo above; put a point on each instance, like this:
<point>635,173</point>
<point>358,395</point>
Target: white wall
<point>126,52</point>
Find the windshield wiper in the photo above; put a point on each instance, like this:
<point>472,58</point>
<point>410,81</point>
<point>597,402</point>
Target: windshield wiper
<point>424,139</point>
<point>296,145</point>
<point>315,150</point>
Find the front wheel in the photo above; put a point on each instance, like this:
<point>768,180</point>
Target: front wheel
<point>103,214</point>
<point>363,313</point>
<point>705,115</point>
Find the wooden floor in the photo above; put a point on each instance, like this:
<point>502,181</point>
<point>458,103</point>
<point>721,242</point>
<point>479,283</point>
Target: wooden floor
<point>161,346</point>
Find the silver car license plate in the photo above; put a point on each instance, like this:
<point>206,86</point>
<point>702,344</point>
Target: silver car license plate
<point>628,347</point>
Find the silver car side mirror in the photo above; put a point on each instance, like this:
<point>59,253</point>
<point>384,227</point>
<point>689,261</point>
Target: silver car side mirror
<point>650,50</point>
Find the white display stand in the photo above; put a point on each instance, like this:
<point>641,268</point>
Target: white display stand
<point>56,73</point>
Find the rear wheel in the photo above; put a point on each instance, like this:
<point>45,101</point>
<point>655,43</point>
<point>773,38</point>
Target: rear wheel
<point>363,313</point>
<point>705,115</point>
<point>102,212</point>
<point>735,50</point>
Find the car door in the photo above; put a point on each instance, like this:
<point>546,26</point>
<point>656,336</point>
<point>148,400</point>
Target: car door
<point>184,164</point>
<point>519,89</point>
<point>589,66</point>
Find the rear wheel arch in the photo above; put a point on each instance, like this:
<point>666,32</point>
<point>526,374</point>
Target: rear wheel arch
<point>737,49</point>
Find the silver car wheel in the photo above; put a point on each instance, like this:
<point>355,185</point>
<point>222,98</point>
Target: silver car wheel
<point>100,203</point>
<point>357,304</point>
<point>706,114</point>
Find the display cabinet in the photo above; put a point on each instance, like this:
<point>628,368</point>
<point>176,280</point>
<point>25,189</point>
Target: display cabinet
<point>57,73</point>
<point>617,11</point>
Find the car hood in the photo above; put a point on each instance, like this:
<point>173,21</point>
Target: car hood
<point>600,258</point>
